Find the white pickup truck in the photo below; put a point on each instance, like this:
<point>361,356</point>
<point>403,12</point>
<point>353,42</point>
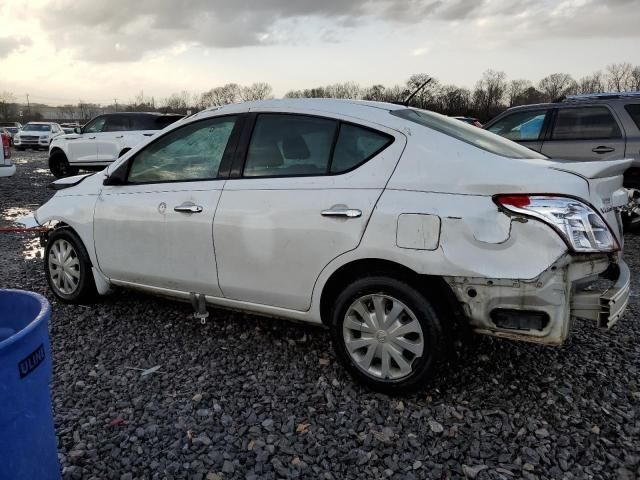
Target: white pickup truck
<point>6,167</point>
<point>103,140</point>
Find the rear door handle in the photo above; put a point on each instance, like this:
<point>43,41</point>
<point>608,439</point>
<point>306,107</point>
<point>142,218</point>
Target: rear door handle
<point>603,149</point>
<point>341,212</point>
<point>92,138</point>
<point>188,207</point>
<point>120,136</point>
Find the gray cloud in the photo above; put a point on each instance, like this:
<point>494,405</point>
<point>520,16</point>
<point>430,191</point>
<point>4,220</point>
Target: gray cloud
<point>10,44</point>
<point>122,30</point>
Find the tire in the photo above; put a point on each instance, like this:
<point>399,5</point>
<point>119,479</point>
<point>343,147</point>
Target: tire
<point>412,356</point>
<point>65,246</point>
<point>59,165</point>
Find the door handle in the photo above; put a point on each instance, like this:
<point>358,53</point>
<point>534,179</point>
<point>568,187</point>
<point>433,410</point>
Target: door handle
<point>341,212</point>
<point>603,149</point>
<point>188,207</point>
<point>120,136</point>
<point>92,138</point>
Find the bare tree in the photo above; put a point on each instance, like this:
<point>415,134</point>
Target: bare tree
<point>344,90</point>
<point>619,76</point>
<point>229,93</point>
<point>455,100</point>
<point>489,92</point>
<point>593,83</point>
<point>256,91</point>
<point>375,93</point>
<point>556,85</point>
<point>8,107</point>
<point>634,79</point>
<point>515,90</point>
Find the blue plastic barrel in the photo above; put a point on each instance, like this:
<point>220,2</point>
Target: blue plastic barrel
<point>27,435</point>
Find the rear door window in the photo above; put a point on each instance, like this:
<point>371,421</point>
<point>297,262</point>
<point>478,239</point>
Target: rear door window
<point>520,126</point>
<point>356,145</point>
<point>117,123</point>
<point>290,145</point>
<point>634,111</point>
<point>585,123</point>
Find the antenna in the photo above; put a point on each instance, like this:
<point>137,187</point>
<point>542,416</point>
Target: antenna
<point>415,92</point>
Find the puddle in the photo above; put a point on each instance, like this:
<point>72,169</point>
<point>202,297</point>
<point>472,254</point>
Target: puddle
<point>32,249</point>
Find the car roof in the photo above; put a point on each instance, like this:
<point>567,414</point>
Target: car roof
<point>155,114</point>
<point>40,123</point>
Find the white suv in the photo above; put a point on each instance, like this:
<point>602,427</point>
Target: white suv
<point>103,140</point>
<point>385,223</point>
<point>37,135</point>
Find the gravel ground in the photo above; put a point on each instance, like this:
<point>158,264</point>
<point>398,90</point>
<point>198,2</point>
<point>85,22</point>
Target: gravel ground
<point>249,397</point>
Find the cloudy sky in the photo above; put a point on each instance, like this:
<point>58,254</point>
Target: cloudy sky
<point>61,51</point>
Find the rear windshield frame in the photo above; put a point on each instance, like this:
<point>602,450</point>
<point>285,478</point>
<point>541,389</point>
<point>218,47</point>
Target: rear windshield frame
<point>475,136</point>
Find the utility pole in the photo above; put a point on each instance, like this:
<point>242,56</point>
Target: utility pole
<point>115,100</point>
<point>28,104</point>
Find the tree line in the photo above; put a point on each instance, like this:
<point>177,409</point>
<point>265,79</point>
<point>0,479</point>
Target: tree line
<point>492,93</point>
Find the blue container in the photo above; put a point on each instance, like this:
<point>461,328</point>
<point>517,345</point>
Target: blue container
<point>27,436</point>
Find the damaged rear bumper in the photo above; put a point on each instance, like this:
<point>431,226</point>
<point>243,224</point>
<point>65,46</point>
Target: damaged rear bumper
<point>542,309</point>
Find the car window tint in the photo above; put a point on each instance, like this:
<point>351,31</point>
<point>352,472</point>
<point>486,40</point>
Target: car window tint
<point>634,111</point>
<point>193,152</point>
<point>585,123</point>
<point>95,125</point>
<point>141,122</point>
<point>163,121</point>
<point>356,145</point>
<point>283,145</point>
<point>520,125</point>
<point>117,123</point>
<point>467,133</point>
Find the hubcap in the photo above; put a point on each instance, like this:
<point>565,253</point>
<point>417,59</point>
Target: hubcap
<point>64,266</point>
<point>383,336</point>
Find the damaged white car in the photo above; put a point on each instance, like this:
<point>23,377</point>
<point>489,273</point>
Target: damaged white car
<point>385,223</point>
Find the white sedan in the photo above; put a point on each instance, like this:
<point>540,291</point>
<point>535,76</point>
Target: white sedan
<point>385,223</point>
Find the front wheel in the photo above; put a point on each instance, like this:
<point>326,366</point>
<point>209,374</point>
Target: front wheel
<point>68,268</point>
<point>59,165</point>
<point>386,334</point>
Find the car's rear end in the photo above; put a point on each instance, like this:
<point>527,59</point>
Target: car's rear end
<point>6,167</point>
<point>527,244</point>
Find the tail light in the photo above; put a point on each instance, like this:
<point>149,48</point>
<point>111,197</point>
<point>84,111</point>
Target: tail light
<point>580,226</point>
<point>5,145</point>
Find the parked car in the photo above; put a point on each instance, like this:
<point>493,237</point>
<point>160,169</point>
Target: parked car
<point>470,120</point>
<point>353,215</point>
<point>7,169</point>
<point>17,125</point>
<point>103,140</point>
<point>37,135</point>
<point>68,130</point>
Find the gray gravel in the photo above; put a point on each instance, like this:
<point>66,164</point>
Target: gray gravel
<point>248,397</point>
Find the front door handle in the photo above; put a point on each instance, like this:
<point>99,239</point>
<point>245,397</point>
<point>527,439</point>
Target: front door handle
<point>120,136</point>
<point>341,212</point>
<point>603,149</point>
<point>92,138</point>
<point>188,207</point>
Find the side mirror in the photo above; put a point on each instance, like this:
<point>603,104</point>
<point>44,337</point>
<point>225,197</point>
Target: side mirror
<point>77,130</point>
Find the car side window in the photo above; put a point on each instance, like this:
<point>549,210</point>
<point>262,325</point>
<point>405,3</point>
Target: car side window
<point>117,123</point>
<point>520,125</point>
<point>585,123</point>
<point>289,145</point>
<point>94,126</point>
<point>633,109</point>
<point>193,152</point>
<point>355,145</point>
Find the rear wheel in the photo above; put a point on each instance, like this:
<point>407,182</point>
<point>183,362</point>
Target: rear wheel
<point>59,165</point>
<point>386,334</point>
<point>68,268</point>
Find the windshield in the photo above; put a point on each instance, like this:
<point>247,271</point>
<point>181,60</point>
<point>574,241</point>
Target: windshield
<point>469,134</point>
<point>34,127</point>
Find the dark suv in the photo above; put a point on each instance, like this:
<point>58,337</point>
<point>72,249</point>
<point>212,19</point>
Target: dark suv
<point>603,126</point>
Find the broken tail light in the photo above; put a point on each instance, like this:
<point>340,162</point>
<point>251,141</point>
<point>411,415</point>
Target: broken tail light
<point>580,226</point>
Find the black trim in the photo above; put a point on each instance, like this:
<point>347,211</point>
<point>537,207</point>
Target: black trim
<point>120,176</point>
<point>237,171</point>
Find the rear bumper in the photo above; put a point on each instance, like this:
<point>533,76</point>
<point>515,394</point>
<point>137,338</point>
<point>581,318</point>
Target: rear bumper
<point>542,309</point>
<point>7,170</point>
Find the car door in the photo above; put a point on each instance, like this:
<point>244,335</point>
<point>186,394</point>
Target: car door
<point>155,228</point>
<point>300,195</point>
<point>110,139</point>
<point>83,147</point>
<point>585,133</point>
<point>523,126</point>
